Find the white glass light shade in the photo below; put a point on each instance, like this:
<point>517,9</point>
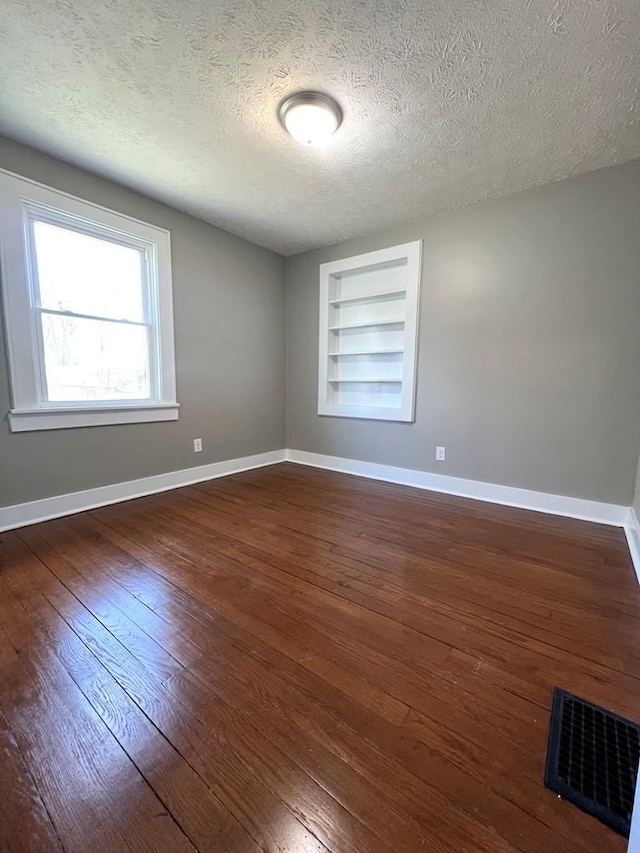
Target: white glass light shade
<point>310,117</point>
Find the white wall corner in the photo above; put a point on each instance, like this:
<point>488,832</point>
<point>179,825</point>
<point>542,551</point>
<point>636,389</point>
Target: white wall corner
<point>632,531</point>
<point>20,515</point>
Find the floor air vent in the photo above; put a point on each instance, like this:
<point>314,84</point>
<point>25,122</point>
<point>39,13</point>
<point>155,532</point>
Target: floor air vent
<point>592,759</point>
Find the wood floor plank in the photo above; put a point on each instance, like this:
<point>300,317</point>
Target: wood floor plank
<point>25,824</point>
<point>507,604</point>
<point>231,599</point>
<point>290,659</point>
<point>489,730</point>
<point>514,639</point>
<point>315,706</point>
<point>81,771</point>
<point>74,568</point>
<point>221,529</point>
<point>505,647</point>
<point>224,770</point>
<point>205,820</point>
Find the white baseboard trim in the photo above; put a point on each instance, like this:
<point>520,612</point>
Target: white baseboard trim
<point>632,530</point>
<point>20,515</point>
<point>603,513</point>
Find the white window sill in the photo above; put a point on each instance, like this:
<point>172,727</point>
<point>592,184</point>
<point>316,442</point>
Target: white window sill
<point>67,417</point>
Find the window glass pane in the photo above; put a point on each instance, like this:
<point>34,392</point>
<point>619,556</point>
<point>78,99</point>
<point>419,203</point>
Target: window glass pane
<point>94,360</point>
<point>88,275</point>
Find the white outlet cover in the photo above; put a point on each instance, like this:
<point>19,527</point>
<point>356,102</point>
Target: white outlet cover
<point>440,454</point>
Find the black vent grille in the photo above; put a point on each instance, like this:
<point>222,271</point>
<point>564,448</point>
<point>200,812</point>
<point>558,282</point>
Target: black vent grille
<point>592,759</point>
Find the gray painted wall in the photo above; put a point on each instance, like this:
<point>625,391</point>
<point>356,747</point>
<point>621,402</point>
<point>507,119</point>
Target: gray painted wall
<point>636,499</point>
<point>527,363</point>
<point>529,343</point>
<point>229,326</point>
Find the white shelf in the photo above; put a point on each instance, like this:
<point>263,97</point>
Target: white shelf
<point>368,352</point>
<point>370,303</point>
<point>370,297</point>
<point>370,325</point>
<point>391,381</point>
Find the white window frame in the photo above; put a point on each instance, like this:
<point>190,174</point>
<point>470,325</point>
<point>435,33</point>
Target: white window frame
<point>22,201</point>
<point>409,255</point>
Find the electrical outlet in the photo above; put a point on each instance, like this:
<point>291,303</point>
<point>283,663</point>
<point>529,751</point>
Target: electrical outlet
<point>440,454</point>
<point>197,445</point>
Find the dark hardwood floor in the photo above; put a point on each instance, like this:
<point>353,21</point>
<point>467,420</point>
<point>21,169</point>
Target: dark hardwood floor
<point>295,660</point>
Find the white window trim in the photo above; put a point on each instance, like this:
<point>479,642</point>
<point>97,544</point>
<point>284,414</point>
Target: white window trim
<point>412,254</point>
<point>20,198</point>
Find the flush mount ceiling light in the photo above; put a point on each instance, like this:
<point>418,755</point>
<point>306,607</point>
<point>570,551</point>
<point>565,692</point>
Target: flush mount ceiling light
<point>310,117</point>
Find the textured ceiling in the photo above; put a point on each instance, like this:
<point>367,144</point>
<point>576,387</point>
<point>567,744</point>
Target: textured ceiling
<point>445,103</point>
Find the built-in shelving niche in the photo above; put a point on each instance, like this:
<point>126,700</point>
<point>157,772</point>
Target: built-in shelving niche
<point>368,334</point>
